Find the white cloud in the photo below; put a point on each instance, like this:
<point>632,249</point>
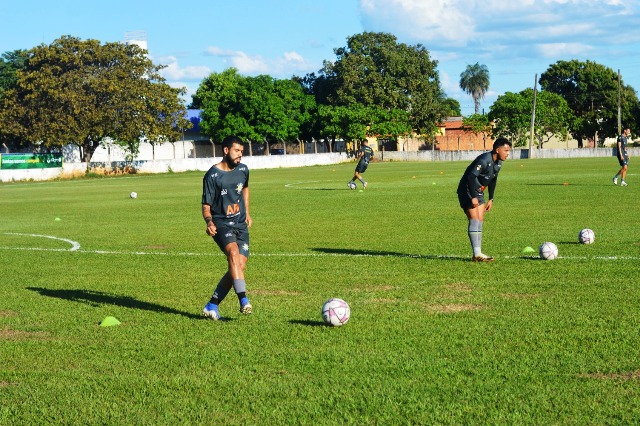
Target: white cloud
<point>287,64</point>
<point>563,50</point>
<point>473,23</point>
<point>174,71</point>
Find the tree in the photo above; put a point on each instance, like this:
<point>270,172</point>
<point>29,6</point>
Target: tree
<point>451,108</point>
<point>255,108</point>
<point>374,70</point>
<point>10,63</point>
<point>475,82</point>
<point>82,92</point>
<point>511,114</point>
<point>591,91</point>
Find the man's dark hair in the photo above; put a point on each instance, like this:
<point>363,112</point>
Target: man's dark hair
<point>501,142</point>
<point>230,140</point>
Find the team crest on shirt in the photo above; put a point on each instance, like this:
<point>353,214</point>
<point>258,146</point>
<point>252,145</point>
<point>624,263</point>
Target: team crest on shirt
<point>479,166</point>
<point>239,188</point>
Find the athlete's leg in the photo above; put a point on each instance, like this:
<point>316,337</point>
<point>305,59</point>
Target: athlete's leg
<point>475,215</point>
<point>237,264</point>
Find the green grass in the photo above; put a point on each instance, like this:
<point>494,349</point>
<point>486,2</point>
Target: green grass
<point>433,338</point>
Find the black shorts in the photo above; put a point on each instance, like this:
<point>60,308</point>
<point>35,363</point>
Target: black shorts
<point>362,167</point>
<point>236,233</point>
<point>465,200</point>
<point>623,162</point>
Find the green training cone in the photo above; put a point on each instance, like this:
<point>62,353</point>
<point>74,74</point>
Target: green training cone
<point>109,321</point>
<point>528,250</point>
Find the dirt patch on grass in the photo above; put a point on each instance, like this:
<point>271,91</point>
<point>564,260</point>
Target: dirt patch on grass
<point>259,292</point>
<point>7,384</point>
<point>452,308</point>
<point>7,314</point>
<point>630,375</point>
<point>8,334</point>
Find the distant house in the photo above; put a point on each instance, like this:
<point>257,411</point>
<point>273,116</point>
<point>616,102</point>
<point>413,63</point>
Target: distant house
<point>453,137</point>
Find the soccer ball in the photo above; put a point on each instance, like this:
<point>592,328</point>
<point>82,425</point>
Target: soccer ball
<point>352,185</point>
<point>134,195</point>
<point>586,236</point>
<point>548,251</point>
<point>335,312</point>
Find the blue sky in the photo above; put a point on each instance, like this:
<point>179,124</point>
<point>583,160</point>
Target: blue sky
<point>515,39</point>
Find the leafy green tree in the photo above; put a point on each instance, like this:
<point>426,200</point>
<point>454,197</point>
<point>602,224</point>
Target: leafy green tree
<point>374,70</point>
<point>259,108</point>
<point>474,80</point>
<point>477,123</point>
<point>81,92</point>
<point>591,91</point>
<point>511,115</point>
<point>10,63</point>
<point>451,108</point>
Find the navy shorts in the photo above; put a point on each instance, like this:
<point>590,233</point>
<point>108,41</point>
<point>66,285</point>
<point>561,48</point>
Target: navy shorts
<point>236,233</point>
<point>465,200</point>
<point>362,167</point>
<point>624,161</point>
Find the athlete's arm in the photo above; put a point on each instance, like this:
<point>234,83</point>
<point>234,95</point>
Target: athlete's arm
<point>245,196</point>
<point>206,215</point>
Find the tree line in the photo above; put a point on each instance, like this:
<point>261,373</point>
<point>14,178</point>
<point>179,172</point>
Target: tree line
<point>84,92</point>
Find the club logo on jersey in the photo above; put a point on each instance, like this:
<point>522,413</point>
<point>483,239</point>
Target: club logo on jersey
<point>478,167</point>
<point>239,188</point>
<point>223,192</point>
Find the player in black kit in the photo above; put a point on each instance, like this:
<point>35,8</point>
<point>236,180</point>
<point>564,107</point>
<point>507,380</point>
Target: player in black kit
<point>480,174</point>
<point>225,209</point>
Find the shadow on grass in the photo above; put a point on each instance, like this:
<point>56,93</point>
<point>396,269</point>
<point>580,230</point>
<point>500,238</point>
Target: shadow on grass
<point>378,253</point>
<point>308,323</point>
<point>97,298</point>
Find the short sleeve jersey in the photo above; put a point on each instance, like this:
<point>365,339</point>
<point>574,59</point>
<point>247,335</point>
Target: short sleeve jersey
<point>222,190</point>
<point>367,154</point>
<point>482,171</point>
<point>622,152</point>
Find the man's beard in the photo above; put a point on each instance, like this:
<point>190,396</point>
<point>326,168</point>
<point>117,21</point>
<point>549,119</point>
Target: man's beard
<point>230,162</point>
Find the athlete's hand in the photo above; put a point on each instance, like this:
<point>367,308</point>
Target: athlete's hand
<point>249,221</point>
<point>211,229</point>
<point>488,206</point>
<point>474,203</point>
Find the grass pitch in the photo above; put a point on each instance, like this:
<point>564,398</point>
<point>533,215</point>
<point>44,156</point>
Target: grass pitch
<point>433,338</point>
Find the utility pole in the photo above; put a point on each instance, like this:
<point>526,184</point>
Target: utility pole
<point>619,106</point>
<point>533,115</point>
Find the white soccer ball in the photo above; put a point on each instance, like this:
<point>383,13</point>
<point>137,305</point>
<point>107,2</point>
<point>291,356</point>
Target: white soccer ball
<point>352,185</point>
<point>335,312</point>
<point>548,251</point>
<point>586,236</point>
<point>134,195</point>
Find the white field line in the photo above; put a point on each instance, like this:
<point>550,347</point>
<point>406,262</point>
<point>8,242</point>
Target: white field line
<point>75,247</point>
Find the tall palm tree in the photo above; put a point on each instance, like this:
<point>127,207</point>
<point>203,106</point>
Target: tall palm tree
<point>475,81</point>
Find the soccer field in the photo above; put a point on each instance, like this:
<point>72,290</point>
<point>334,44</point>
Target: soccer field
<point>433,338</point>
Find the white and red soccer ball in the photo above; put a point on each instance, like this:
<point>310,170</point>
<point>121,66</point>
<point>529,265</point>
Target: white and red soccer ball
<point>335,312</point>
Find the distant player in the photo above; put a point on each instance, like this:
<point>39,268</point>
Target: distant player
<point>623,157</point>
<point>480,174</point>
<point>225,209</point>
<point>364,156</point>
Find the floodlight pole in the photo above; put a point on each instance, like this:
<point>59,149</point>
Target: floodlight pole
<point>533,115</point>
